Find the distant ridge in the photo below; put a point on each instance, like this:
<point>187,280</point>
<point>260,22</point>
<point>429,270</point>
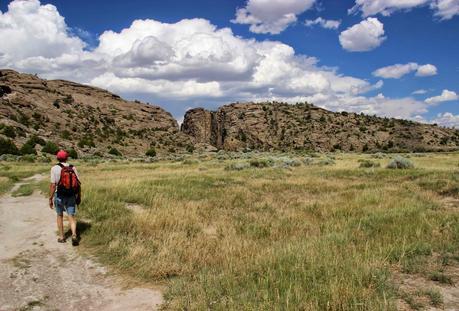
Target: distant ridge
<point>280,126</point>
<point>93,121</point>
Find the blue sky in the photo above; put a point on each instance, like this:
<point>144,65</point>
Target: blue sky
<point>181,54</point>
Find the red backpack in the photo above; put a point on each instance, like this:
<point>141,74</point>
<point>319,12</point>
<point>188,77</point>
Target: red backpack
<point>68,184</point>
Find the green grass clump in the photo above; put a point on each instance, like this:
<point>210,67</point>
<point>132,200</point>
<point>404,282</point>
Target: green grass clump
<point>435,297</point>
<point>327,161</point>
<point>369,163</point>
<point>308,161</point>
<point>24,190</point>
<point>378,155</point>
<point>440,277</point>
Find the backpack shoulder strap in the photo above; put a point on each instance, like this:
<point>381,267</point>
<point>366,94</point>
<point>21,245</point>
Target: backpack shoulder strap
<point>60,164</point>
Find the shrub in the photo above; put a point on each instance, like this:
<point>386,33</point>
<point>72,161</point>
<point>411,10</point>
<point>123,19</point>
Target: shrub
<point>43,159</point>
<point>368,163</point>
<point>8,131</point>
<point>115,152</point>
<point>151,152</point>
<point>261,163</point>
<point>73,153</point>
<point>378,155</point>
<point>35,140</point>
<point>50,148</point>
<point>400,163</point>
<point>68,100</point>
<point>190,148</point>
<point>308,161</point>
<point>190,162</point>
<point>237,166</point>
<point>28,148</point>
<point>288,162</point>
<point>86,140</point>
<point>28,158</point>
<point>7,146</point>
<point>327,161</point>
<point>65,134</point>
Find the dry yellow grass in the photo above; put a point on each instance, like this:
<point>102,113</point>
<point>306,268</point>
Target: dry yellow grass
<point>307,237</point>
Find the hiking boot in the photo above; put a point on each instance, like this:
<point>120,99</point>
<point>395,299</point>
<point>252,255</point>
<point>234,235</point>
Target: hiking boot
<point>75,241</point>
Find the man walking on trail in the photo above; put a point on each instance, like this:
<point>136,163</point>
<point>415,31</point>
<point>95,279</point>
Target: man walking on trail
<point>64,194</point>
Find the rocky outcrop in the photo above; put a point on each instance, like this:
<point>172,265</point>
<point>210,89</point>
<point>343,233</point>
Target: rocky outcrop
<point>86,118</point>
<point>198,124</point>
<point>279,126</point>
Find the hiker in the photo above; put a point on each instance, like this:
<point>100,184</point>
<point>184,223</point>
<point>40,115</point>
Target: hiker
<point>64,194</point>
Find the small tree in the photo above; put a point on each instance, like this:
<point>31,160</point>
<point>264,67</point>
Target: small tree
<point>65,134</point>
<point>9,131</point>
<point>7,146</point>
<point>28,149</point>
<point>115,152</point>
<point>34,140</point>
<point>50,148</point>
<point>190,148</point>
<point>151,152</point>
<point>73,153</point>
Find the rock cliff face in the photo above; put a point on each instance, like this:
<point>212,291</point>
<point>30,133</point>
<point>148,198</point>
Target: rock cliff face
<point>279,126</point>
<point>86,118</point>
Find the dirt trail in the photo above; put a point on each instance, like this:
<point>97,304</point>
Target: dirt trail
<point>37,273</point>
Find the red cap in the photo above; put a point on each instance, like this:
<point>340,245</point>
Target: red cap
<point>62,155</point>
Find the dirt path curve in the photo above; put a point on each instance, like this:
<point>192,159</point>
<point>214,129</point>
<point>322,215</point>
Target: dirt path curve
<point>37,273</point>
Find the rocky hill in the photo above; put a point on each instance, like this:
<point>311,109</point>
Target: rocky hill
<point>38,115</point>
<point>279,126</point>
<point>90,120</point>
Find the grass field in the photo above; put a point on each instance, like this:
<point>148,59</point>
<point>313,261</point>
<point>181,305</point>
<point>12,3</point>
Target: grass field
<point>273,231</point>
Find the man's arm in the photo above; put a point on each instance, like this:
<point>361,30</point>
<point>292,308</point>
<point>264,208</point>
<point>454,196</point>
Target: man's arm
<point>52,189</point>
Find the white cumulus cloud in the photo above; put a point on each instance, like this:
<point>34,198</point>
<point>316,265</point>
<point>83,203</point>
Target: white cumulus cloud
<point>446,119</point>
<point>365,36</point>
<point>271,16</point>
<point>324,23</point>
<point>443,9</point>
<point>385,7</point>
<point>187,62</point>
<point>426,70</point>
<point>29,29</point>
<point>445,96</point>
<point>399,70</point>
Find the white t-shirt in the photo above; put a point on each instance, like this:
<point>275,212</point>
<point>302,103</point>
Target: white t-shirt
<point>56,172</point>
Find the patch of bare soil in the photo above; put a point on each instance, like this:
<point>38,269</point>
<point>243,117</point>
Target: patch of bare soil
<point>37,273</point>
<point>422,293</point>
<point>450,204</point>
<point>431,291</point>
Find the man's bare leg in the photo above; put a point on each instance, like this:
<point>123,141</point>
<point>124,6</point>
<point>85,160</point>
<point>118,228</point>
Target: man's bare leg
<point>60,226</point>
<point>73,224</point>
